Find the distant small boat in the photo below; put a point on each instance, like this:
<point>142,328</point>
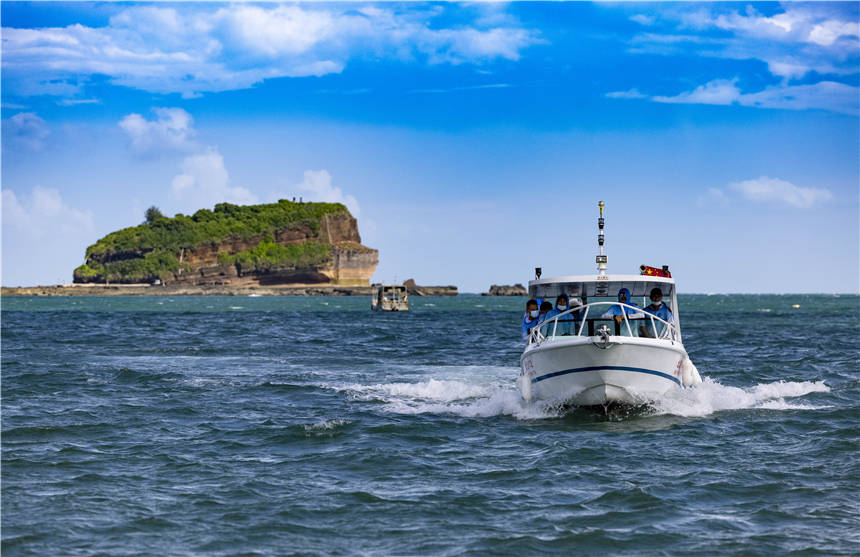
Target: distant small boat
<point>603,351</point>
<point>390,297</point>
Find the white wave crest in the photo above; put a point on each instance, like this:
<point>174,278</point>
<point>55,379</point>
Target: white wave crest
<point>326,425</point>
<point>432,390</point>
<point>711,396</point>
<point>488,395</point>
<point>453,397</point>
<point>502,402</point>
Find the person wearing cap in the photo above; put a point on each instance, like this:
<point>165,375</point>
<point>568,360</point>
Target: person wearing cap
<point>658,309</point>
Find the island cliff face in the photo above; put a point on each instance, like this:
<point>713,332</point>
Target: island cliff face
<point>284,243</point>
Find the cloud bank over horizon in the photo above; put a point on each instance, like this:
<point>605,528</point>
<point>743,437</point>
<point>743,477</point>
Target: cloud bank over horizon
<point>39,227</point>
<point>198,49</point>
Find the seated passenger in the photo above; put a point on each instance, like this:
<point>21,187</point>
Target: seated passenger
<point>545,308</point>
<point>565,324</point>
<point>530,319</point>
<point>560,306</point>
<point>658,309</point>
<point>618,312</point>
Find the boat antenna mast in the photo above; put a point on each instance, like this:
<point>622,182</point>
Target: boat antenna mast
<point>601,258</point>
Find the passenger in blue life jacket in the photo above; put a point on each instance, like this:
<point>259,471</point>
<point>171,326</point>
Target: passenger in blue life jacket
<point>658,309</point>
<point>617,311</point>
<point>565,324</point>
<point>530,319</point>
<point>545,308</point>
<point>560,306</point>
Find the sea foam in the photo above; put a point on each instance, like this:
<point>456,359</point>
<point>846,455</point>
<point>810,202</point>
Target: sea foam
<point>460,398</point>
<point>711,396</point>
<point>469,399</point>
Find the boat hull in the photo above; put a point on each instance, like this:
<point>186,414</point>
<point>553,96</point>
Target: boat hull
<point>587,371</point>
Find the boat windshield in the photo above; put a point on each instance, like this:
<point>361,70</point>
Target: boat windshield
<point>609,318</point>
<point>394,294</point>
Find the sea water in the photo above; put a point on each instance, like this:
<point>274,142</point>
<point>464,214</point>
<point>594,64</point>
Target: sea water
<point>312,426</point>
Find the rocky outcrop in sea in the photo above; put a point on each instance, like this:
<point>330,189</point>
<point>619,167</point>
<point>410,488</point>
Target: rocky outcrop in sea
<point>506,290</point>
<point>414,290</point>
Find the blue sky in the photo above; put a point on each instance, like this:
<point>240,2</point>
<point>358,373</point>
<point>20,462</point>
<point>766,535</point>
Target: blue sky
<point>471,141</point>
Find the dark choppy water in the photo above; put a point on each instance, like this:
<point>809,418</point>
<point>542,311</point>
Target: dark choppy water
<point>274,426</point>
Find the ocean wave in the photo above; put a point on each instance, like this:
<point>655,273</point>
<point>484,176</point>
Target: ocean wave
<point>459,398</point>
<point>432,390</point>
<point>711,397</point>
<point>326,426</point>
<point>503,402</point>
<point>473,400</point>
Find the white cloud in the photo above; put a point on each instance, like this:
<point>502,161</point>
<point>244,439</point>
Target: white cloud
<point>828,32</point>
<point>774,190</point>
<point>642,19</point>
<point>825,95</point>
<point>283,30</point>
<point>172,130</point>
<point>43,212</point>
<point>766,190</point>
<point>464,88</point>
<point>76,102</point>
<point>27,130</point>
<point>792,43</point>
<point>43,237</point>
<point>719,91</point>
<point>797,24</point>
<point>204,181</point>
<point>317,186</point>
<point>200,49</point>
<point>629,94</point>
<point>802,42</point>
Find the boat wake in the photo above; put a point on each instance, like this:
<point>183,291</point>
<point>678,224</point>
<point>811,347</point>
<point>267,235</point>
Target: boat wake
<point>501,398</point>
<point>454,397</point>
<point>711,397</point>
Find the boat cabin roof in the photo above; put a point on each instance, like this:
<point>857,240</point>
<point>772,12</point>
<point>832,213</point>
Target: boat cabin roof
<point>391,287</point>
<point>599,286</point>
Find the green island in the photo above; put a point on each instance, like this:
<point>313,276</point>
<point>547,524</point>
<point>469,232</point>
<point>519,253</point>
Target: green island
<point>162,248</point>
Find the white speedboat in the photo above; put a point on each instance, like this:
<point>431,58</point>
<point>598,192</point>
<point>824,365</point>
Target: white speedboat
<point>603,351</point>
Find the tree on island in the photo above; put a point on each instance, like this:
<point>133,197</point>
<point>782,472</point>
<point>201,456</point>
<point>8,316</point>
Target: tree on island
<point>153,214</point>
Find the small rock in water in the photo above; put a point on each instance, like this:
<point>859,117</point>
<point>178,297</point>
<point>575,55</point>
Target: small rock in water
<point>506,290</point>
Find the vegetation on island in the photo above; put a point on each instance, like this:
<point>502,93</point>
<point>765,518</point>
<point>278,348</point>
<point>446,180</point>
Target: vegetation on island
<point>157,264</point>
<point>269,255</point>
<point>153,250</point>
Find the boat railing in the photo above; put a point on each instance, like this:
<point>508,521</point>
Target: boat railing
<point>583,319</point>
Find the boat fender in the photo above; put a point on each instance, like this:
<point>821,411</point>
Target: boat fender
<point>689,374</point>
<point>526,386</point>
<point>697,379</point>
